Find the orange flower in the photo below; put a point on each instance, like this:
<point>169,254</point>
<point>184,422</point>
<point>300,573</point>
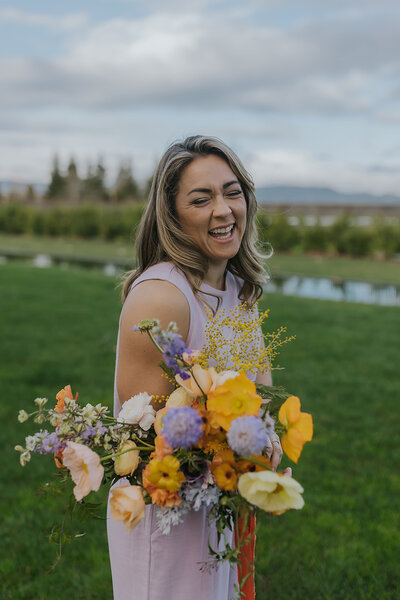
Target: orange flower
<point>299,427</point>
<point>162,448</point>
<point>246,466</point>
<point>234,398</point>
<point>165,498</point>
<point>66,392</point>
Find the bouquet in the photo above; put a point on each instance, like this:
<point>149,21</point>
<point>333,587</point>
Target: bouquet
<point>209,446</point>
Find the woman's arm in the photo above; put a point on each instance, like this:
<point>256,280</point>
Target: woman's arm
<point>138,359</point>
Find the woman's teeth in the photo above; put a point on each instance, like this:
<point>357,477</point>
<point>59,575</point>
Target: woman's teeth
<point>222,233</point>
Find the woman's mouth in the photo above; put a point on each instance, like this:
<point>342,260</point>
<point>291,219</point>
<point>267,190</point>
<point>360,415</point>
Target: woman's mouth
<point>222,233</point>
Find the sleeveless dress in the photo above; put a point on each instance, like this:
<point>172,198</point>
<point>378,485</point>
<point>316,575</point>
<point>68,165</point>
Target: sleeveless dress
<point>146,564</point>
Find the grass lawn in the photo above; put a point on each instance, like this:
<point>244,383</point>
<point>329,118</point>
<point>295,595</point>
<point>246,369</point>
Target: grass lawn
<point>59,327</point>
<point>365,269</point>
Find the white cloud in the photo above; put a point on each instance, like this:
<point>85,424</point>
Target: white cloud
<point>288,167</point>
<point>66,22</point>
<point>199,60</point>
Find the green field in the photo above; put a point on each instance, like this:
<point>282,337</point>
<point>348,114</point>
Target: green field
<point>59,327</point>
<point>365,269</point>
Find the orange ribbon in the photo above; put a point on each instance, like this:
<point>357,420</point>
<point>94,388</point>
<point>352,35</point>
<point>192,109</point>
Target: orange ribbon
<point>245,529</point>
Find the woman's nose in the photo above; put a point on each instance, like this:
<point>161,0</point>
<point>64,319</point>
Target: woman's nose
<point>221,207</point>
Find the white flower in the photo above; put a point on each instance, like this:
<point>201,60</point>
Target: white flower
<point>23,416</point>
<point>222,377</point>
<point>31,442</point>
<point>137,410</point>
<point>89,412</point>
<point>40,402</point>
<point>24,457</point>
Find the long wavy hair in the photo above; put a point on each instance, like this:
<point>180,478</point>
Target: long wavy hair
<point>160,237</point>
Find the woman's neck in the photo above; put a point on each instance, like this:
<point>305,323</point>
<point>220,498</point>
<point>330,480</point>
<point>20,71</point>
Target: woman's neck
<point>215,276</point>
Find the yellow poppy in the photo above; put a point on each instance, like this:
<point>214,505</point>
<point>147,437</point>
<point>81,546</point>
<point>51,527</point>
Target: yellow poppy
<point>298,425</point>
<point>164,474</point>
<point>234,398</point>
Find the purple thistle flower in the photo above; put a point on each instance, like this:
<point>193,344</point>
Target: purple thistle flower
<point>51,444</point>
<point>182,427</point>
<point>247,435</point>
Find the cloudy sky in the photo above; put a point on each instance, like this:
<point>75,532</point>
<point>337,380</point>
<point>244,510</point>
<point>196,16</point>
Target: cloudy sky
<point>307,93</point>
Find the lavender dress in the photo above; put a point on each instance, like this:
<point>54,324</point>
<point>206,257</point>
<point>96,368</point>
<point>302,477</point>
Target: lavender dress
<point>145,564</point>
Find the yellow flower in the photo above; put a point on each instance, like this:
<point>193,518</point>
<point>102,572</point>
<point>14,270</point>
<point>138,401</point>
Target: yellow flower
<point>271,491</point>
<point>223,467</point>
<point>234,398</point>
<point>225,477</point>
<point>164,474</point>
<point>246,466</point>
<point>126,464</point>
<point>127,505</point>
<point>299,427</point>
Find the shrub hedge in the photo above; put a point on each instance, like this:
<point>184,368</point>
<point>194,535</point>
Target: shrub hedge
<point>92,221</point>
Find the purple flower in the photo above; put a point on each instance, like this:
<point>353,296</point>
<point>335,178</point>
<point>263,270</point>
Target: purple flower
<point>173,348</point>
<point>88,433</point>
<point>182,427</point>
<point>247,436</point>
<point>51,444</point>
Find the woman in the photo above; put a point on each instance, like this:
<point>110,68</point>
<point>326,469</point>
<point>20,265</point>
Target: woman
<point>195,246</point>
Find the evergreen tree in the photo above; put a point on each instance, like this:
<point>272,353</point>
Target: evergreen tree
<point>73,182</point>
<point>57,186</point>
<point>94,187</point>
<point>125,186</point>
<point>30,194</point>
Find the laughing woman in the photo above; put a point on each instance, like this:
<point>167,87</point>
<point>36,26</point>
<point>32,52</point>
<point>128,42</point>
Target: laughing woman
<point>195,245</point>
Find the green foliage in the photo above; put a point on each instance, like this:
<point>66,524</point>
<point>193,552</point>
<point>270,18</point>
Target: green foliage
<point>276,230</point>
<point>58,182</point>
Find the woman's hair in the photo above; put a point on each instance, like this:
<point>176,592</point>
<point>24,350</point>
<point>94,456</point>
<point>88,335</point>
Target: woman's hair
<point>160,237</point>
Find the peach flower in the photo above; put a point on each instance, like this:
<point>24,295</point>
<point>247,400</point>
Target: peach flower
<point>126,464</point>
<point>158,420</point>
<point>180,397</point>
<point>127,505</point>
<point>200,381</point>
<point>85,468</point>
<point>162,448</point>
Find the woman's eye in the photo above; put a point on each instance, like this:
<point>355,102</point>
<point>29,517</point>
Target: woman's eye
<point>199,201</point>
<point>235,193</point>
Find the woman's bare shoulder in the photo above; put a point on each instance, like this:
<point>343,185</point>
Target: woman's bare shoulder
<point>156,299</point>
<point>138,360</point>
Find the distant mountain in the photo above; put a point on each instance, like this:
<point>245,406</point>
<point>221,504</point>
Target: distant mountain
<point>282,194</point>
<point>16,186</point>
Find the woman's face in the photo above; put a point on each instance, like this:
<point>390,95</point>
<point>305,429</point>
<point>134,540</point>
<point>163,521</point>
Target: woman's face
<point>211,207</point>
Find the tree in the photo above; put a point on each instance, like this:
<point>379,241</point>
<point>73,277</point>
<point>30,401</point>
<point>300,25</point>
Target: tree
<point>73,182</point>
<point>57,186</point>
<point>125,185</point>
<point>94,184</point>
